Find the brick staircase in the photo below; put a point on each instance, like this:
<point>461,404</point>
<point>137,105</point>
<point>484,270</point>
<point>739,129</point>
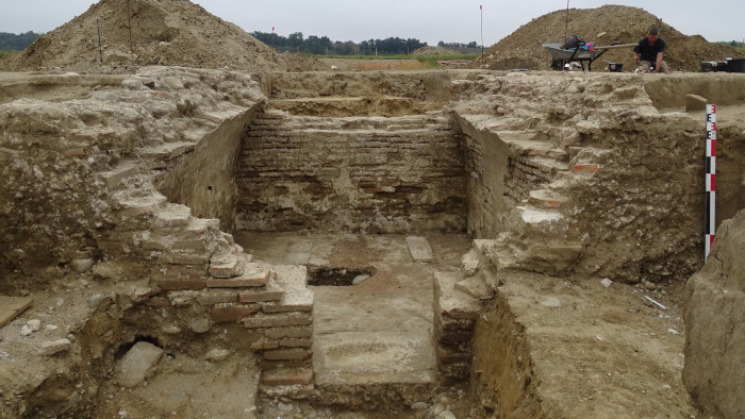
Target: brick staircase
<point>541,176</point>
<point>192,262</point>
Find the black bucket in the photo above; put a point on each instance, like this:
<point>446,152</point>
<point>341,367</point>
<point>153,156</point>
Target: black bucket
<point>615,67</point>
<point>736,66</point>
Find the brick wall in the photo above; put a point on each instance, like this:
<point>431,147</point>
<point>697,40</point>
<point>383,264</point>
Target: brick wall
<point>392,179</point>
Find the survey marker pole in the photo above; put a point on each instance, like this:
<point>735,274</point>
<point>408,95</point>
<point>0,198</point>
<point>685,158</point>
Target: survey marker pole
<point>710,180</point>
<point>481,11</point>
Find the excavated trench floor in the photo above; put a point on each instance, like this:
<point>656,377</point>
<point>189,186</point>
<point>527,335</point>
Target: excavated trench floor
<point>379,330</point>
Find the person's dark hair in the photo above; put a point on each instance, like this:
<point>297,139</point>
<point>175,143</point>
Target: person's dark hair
<point>653,31</point>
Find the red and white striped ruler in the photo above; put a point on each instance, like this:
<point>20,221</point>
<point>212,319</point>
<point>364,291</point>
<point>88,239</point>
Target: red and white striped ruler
<point>711,177</point>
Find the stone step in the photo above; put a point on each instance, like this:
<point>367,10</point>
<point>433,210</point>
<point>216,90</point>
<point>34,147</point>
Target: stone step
<point>531,143</point>
<point>297,297</point>
<point>135,205</point>
<point>253,275</point>
<point>228,265</point>
<point>546,198</point>
<point>543,255</point>
<point>159,154</point>
<point>114,177</point>
<point>171,215</point>
<point>534,215</point>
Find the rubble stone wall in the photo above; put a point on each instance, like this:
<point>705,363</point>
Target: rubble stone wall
<point>205,181</point>
<point>645,201</point>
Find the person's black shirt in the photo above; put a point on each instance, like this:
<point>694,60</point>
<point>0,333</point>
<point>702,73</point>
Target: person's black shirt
<point>649,52</point>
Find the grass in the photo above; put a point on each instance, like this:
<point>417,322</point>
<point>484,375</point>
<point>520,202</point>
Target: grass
<point>433,59</point>
<point>384,61</point>
<point>2,53</point>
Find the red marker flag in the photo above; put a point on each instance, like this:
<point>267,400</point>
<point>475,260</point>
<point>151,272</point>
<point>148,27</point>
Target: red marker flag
<point>481,7</point>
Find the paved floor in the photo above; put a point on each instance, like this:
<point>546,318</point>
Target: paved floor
<point>379,331</point>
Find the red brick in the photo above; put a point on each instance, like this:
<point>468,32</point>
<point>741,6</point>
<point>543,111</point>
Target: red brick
<point>586,168</point>
<point>223,313</point>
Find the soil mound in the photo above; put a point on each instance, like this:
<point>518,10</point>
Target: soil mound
<point>163,32</point>
<point>424,51</point>
<point>523,48</point>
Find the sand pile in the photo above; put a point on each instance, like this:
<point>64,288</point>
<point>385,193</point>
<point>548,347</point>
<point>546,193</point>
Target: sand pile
<point>523,48</point>
<point>163,32</point>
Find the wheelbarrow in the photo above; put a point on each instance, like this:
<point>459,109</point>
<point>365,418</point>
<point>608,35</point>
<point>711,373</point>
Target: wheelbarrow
<point>560,56</point>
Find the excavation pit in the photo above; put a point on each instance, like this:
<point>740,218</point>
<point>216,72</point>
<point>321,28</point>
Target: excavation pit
<point>503,189</point>
<point>340,277</point>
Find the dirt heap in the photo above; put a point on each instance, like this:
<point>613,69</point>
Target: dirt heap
<point>523,48</point>
<point>424,51</point>
<point>163,32</point>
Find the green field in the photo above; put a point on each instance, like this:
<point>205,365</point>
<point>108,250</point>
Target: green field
<point>4,53</point>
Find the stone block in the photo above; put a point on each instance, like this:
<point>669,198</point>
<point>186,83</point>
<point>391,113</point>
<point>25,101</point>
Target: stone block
<point>253,276</point>
<point>171,284</point>
<point>197,245</point>
<point>54,347</point>
<point>289,332</point>
<point>232,312</point>
<point>475,287</point>
<point>695,103</point>
<point>419,249</point>
<point>287,377</point>
<point>10,307</point>
<point>278,320</point>
<point>136,363</point>
<point>172,215</point>
<point>452,302</point>
<point>295,392</point>
<point>297,296</point>
<point>295,354</point>
<point>264,344</point>
<point>296,342</point>
<point>156,243</point>
<point>226,266</point>
<point>114,177</point>
<point>182,298</point>
<point>271,292</point>
<point>210,297</point>
<point>130,207</point>
<point>185,258</point>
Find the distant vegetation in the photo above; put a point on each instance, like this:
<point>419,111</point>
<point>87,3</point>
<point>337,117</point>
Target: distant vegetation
<point>297,42</point>
<point>740,46</point>
<point>13,42</point>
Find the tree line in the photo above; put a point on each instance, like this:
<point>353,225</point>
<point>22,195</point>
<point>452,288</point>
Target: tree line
<point>297,42</point>
<point>13,42</point>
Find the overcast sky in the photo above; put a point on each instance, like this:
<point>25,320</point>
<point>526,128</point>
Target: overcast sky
<point>429,21</point>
